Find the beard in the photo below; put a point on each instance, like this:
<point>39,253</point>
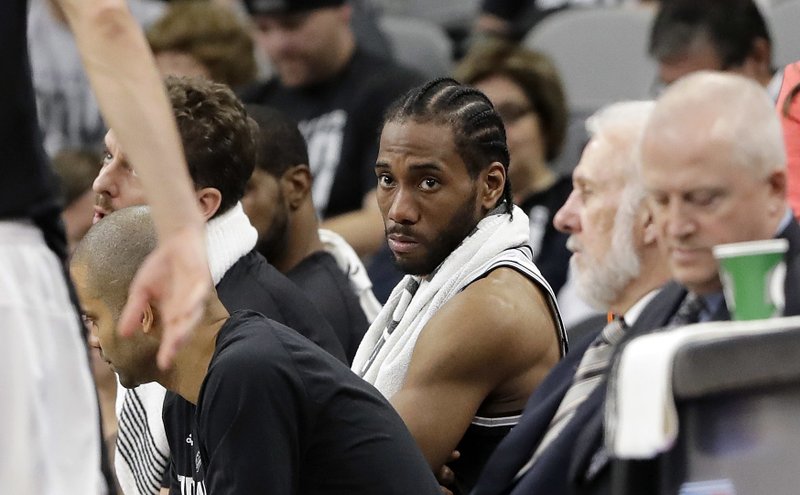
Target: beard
<point>272,245</point>
<point>459,226</point>
<point>601,283</point>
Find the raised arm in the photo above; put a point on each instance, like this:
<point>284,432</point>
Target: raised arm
<point>133,102</point>
<point>486,349</point>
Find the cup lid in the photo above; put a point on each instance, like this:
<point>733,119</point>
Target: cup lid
<point>766,246</point>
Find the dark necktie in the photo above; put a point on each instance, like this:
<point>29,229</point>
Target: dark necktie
<point>688,312</point>
<point>589,375</point>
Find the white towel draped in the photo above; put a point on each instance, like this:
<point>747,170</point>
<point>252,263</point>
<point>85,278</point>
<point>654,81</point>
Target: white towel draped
<point>385,352</point>
<point>349,262</point>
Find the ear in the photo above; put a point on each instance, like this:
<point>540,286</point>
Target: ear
<point>295,184</point>
<point>761,56</point>
<point>493,184</point>
<point>648,225</point>
<point>776,182</point>
<point>209,198</point>
<point>148,319</point>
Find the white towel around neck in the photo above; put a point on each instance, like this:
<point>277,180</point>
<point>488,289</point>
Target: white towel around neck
<point>494,234</point>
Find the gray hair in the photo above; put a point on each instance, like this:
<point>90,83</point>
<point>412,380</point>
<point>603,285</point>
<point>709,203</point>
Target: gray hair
<point>731,109</point>
<point>622,124</point>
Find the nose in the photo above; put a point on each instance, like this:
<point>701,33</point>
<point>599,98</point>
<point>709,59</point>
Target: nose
<point>403,208</point>
<point>567,219</point>
<point>679,221</point>
<point>106,181</point>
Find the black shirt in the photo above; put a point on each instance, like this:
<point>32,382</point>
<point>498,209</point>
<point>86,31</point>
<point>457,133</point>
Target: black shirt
<point>253,284</point>
<point>276,415</point>
<point>329,289</point>
<point>341,121</point>
<point>27,185</point>
<point>549,245</point>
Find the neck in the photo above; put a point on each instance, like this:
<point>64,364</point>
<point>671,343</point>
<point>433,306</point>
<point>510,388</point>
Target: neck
<point>542,178</point>
<point>302,238</point>
<point>191,363</point>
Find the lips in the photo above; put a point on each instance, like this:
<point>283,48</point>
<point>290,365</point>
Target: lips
<point>684,254</point>
<point>99,213</point>
<point>400,244</point>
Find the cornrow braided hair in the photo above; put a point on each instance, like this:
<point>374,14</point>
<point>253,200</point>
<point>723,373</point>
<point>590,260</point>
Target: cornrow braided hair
<point>478,131</point>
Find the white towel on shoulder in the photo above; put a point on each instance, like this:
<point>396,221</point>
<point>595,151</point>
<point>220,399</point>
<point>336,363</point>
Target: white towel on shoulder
<point>349,262</point>
<point>641,417</point>
<point>385,352</point>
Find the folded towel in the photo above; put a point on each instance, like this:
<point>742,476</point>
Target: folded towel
<point>349,262</point>
<point>229,236</point>
<point>641,418</point>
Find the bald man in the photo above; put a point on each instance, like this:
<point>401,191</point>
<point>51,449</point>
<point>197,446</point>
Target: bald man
<point>274,413</point>
<point>713,168</point>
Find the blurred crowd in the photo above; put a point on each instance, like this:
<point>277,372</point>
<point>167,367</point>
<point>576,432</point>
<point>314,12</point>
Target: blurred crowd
<point>448,248</point>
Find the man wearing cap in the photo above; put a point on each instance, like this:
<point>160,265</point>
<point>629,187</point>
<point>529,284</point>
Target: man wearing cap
<point>337,92</point>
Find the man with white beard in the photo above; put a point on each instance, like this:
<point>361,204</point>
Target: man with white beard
<point>619,268</point>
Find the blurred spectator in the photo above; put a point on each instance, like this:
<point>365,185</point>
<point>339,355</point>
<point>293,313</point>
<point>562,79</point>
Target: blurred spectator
<point>726,35</point>
<point>68,113</point>
<point>279,204</point>
<point>76,170</point>
<point>526,91</point>
<point>337,93</point>
<point>512,19</point>
<point>200,38</point>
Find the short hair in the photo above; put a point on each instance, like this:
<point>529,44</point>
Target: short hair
<point>732,109</point>
<point>731,26</point>
<point>76,170</point>
<point>112,251</point>
<point>623,124</point>
<point>532,71</point>
<point>210,33</point>
<point>280,143</point>
<point>478,132</point>
<point>218,136</point>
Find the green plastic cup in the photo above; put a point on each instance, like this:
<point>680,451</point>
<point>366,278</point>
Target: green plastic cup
<point>752,275</point>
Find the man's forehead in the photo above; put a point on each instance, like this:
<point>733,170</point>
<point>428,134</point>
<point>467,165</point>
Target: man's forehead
<point>600,161</point>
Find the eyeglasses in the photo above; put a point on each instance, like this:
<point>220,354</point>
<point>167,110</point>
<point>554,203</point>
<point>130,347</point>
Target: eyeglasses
<point>510,113</point>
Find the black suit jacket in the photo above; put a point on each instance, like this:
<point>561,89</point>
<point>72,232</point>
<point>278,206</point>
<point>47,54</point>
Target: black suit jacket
<point>589,471</point>
<point>577,463</point>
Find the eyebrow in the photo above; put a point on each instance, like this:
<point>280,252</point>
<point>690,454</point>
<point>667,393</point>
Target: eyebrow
<point>426,167</point>
<point>417,167</point>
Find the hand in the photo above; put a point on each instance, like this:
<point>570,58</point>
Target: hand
<point>174,279</point>
<point>446,477</point>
